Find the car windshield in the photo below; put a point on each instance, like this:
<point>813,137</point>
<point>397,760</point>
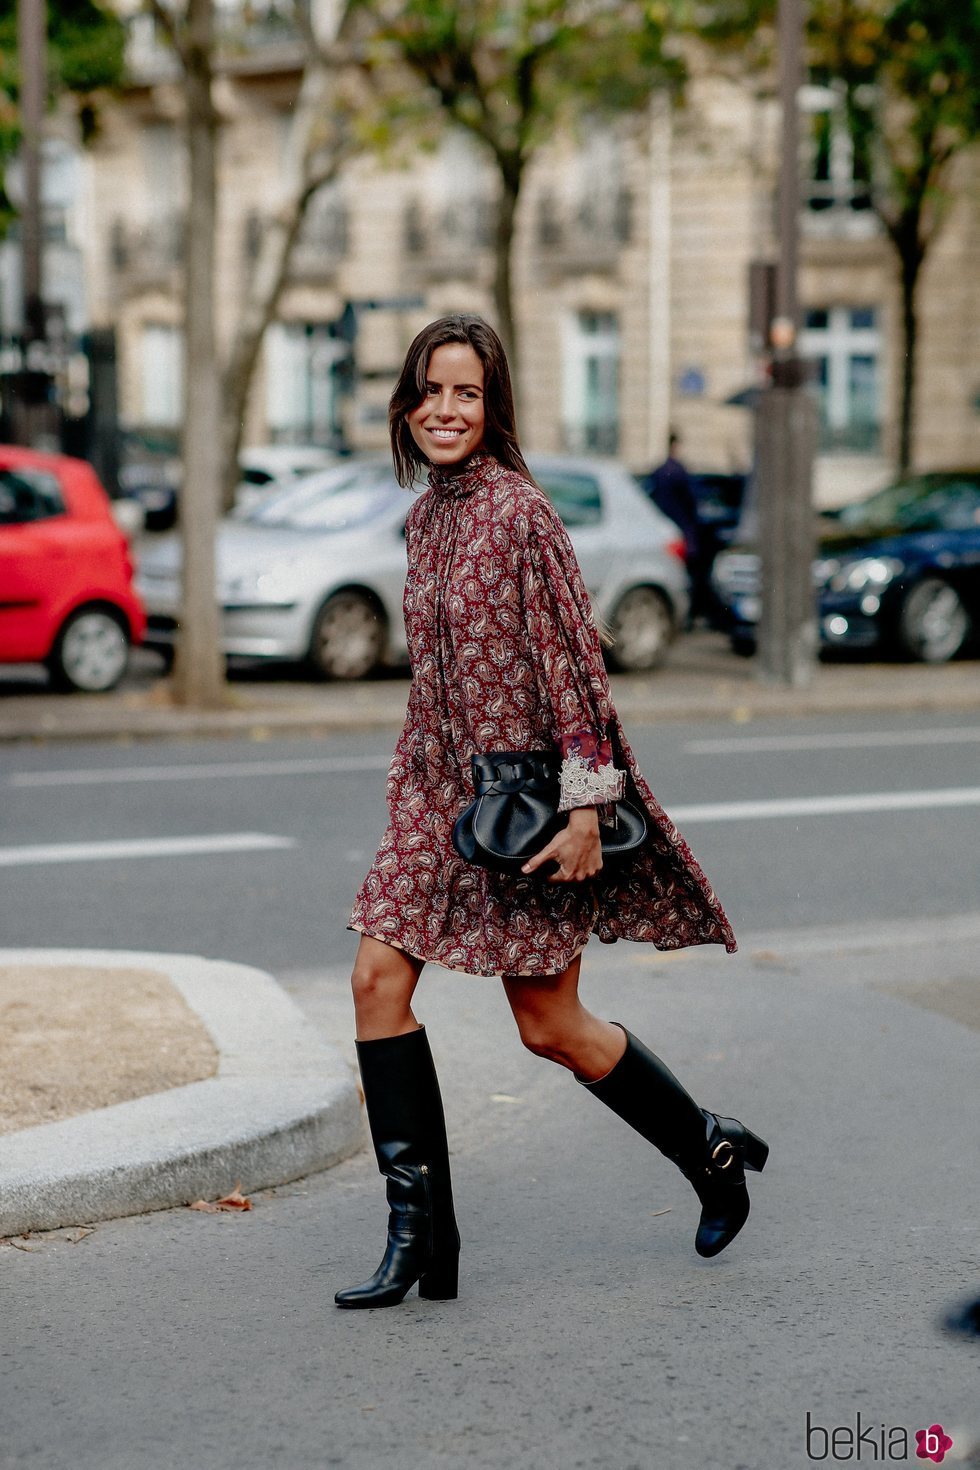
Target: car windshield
<point>927,504</point>
<point>335,501</point>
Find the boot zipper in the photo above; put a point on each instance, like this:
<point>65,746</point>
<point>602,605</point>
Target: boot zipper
<point>424,1171</point>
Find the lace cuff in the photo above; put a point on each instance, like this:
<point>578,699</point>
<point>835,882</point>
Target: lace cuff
<point>586,785</point>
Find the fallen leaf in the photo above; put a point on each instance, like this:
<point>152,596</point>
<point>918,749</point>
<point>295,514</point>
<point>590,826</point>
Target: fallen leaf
<point>21,1245</point>
<point>655,1213</point>
<point>233,1201</point>
<point>74,1236</point>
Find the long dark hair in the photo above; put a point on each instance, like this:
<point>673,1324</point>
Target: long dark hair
<point>500,431</point>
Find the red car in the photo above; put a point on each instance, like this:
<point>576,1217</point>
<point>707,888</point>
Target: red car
<point>66,577</point>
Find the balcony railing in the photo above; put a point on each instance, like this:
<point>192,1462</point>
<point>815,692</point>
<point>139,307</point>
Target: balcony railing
<point>435,241</point>
<point>589,235</point>
<point>322,243</point>
<point>147,255</point>
<point>836,209</point>
<point>247,35</point>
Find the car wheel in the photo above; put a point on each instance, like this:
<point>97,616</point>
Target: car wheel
<point>90,653</point>
<point>349,637</point>
<point>933,624</point>
<point>644,628</point>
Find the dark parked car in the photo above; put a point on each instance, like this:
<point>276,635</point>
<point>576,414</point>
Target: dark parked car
<point>898,571</point>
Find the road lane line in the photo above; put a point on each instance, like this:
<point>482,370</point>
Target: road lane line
<point>350,765</point>
<point>326,765</point>
<point>839,740</point>
<point>88,852</point>
<point>825,806</point>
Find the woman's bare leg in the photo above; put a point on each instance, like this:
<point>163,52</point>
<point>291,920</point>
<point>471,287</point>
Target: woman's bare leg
<point>383,983</point>
<point>555,1024</point>
<point>408,1130</point>
<point>711,1151</point>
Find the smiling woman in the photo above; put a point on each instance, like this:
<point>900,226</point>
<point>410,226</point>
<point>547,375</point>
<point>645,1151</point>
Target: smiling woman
<point>507,664</point>
<point>448,424</point>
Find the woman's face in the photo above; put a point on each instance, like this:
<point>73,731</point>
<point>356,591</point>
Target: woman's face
<point>448,424</point>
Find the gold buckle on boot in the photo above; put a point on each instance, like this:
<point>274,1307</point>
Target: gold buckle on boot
<point>729,1149</point>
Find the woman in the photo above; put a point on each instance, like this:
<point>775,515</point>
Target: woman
<point>505,656</point>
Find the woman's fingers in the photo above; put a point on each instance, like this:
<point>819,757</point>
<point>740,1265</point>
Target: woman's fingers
<point>545,855</point>
<point>576,862</point>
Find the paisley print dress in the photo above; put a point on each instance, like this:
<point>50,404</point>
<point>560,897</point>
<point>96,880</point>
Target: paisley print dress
<point>506,656</point>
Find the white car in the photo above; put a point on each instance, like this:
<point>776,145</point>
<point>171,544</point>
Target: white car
<point>316,573</point>
<point>267,468</point>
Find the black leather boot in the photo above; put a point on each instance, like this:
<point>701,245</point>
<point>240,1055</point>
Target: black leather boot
<point>408,1129</point>
<point>712,1152</point>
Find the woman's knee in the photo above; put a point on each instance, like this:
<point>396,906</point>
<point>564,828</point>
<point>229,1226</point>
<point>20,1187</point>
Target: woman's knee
<point>539,1035</point>
<point>382,981</point>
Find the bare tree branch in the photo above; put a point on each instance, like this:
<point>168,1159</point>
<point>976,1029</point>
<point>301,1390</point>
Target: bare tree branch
<point>167,22</point>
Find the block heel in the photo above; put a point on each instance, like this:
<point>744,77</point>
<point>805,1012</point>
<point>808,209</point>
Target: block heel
<point>440,1283</point>
<point>756,1152</point>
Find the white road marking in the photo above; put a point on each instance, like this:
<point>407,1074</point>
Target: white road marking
<point>340,765</point>
<point>826,806</point>
<point>88,852</point>
<point>839,740</point>
<point>111,775</point>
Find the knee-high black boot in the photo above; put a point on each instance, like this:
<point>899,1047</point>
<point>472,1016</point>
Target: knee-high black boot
<point>712,1152</point>
<point>408,1129</point>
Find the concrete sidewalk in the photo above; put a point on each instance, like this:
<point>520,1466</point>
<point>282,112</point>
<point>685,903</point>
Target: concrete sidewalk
<point>282,1105</point>
<point>702,680</point>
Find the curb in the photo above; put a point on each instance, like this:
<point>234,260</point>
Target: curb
<point>283,1104</point>
<point>725,701</point>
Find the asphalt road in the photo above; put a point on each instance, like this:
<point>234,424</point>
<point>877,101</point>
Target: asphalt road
<point>588,1333</point>
<point>286,907</point>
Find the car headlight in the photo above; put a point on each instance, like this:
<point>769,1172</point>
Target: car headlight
<point>869,573</point>
<point>272,584</point>
<point>824,570</point>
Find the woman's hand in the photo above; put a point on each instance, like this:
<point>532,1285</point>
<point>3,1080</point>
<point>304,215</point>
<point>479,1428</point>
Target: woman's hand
<point>576,849</point>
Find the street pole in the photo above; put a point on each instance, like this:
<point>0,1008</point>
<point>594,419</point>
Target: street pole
<point>31,41</point>
<point>34,419</point>
<point>786,419</point>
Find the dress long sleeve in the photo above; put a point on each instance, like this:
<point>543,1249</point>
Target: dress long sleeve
<point>570,670</point>
<point>505,656</point>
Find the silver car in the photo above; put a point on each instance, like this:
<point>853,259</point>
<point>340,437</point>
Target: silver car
<point>316,573</point>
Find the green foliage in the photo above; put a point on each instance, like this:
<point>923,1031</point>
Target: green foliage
<point>912,75</point>
<point>85,55</point>
<point>511,73</point>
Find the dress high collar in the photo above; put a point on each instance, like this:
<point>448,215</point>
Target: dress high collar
<point>460,480</point>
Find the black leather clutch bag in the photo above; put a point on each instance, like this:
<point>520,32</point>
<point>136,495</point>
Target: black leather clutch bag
<point>516,814</point>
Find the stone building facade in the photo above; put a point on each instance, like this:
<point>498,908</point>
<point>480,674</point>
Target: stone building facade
<point>631,272</point>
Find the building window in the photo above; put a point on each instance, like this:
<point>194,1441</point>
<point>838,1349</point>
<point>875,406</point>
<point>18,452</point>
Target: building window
<point>590,387</point>
<point>301,383</point>
<point>838,187</point>
<point>844,344</point>
<point>163,376</point>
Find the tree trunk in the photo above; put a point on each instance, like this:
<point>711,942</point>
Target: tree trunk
<point>911,265</point>
<point>270,271</point>
<point>199,671</point>
<point>503,285</point>
<point>258,310</point>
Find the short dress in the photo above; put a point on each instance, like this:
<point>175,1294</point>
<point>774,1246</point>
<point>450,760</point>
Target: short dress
<point>505,655</point>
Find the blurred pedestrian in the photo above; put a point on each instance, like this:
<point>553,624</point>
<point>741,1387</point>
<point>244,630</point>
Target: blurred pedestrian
<point>669,487</point>
<point>506,658</point>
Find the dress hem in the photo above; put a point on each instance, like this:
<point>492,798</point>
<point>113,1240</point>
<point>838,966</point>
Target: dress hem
<point>461,969</point>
